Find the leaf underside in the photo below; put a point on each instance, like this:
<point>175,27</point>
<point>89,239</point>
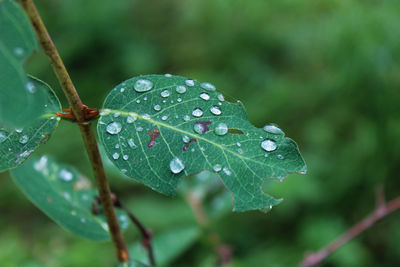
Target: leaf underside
<point>66,196</point>
<point>160,135</point>
<point>16,144</point>
<point>20,103</point>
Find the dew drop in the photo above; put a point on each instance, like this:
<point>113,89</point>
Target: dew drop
<point>221,97</point>
<point>273,129</point>
<point>116,146</point>
<point>30,87</point>
<point>197,112</point>
<point>23,139</point>
<point>3,136</point>
<point>280,156</point>
<point>125,157</point>
<point>204,96</point>
<point>145,98</point>
<point>73,213</point>
<point>164,118</point>
<point>165,93</point>
<point>131,118</point>
<point>138,101</point>
<point>217,167</point>
<point>221,129</point>
<point>83,220</point>
<point>268,145</point>
<point>157,107</point>
<point>18,51</point>
<point>238,144</point>
<point>208,86</point>
<point>41,163</point>
<point>227,171</point>
<point>139,128</point>
<point>117,114</point>
<point>199,128</point>
<point>180,89</point>
<point>18,130</point>
<point>65,175</point>
<point>186,139</point>
<point>115,155</point>
<point>189,82</point>
<point>122,90</point>
<point>146,116</point>
<point>179,100</point>
<point>114,127</point>
<point>143,85</point>
<point>215,110</point>
<point>131,143</point>
<point>186,118</point>
<point>176,165</point>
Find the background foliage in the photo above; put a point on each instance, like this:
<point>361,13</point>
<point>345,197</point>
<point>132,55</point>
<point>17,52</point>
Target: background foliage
<point>325,71</point>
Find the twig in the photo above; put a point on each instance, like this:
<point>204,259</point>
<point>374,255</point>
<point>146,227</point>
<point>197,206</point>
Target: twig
<point>85,127</point>
<point>147,235</point>
<point>382,210</point>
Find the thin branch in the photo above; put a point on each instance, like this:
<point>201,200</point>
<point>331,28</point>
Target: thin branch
<point>147,235</point>
<point>85,127</point>
<point>382,210</point>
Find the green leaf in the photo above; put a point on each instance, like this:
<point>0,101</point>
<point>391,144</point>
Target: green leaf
<point>64,195</point>
<point>167,246</point>
<point>20,101</point>
<point>16,144</point>
<point>158,129</point>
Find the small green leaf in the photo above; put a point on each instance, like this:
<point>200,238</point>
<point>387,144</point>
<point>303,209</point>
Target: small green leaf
<point>158,129</point>
<point>168,246</point>
<point>20,101</point>
<point>16,144</point>
<point>64,195</point>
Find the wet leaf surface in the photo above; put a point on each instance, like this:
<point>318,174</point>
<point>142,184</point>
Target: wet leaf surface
<point>158,129</point>
<point>16,144</point>
<point>66,196</point>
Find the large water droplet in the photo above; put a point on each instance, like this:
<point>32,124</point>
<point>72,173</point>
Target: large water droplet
<point>176,165</point>
<point>268,145</point>
<point>204,96</point>
<point>197,112</point>
<point>215,110</point>
<point>23,139</point>
<point>165,93</point>
<point>189,82</point>
<point>208,86</point>
<point>273,129</point>
<point>131,143</point>
<point>221,129</point>
<point>180,89</point>
<point>143,85</point>
<point>157,107</point>
<point>114,127</point>
<point>115,155</point>
<point>221,97</point>
<point>217,167</point>
<point>65,175</point>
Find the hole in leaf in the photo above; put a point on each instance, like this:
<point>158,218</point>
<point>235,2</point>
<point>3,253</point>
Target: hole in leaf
<point>235,131</point>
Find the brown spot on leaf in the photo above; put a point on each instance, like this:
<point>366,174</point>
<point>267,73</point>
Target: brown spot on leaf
<point>153,137</point>
<point>186,146</point>
<point>204,125</point>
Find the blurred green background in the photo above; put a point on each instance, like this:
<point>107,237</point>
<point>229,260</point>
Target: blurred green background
<point>326,71</point>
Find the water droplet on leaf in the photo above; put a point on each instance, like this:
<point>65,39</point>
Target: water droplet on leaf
<point>208,86</point>
<point>176,165</point>
<point>217,167</point>
<point>114,128</point>
<point>65,175</point>
<point>189,82</point>
<point>157,107</point>
<point>268,145</point>
<point>221,129</point>
<point>197,112</point>
<point>143,85</point>
<point>215,110</point>
<point>180,89</point>
<point>115,155</point>
<point>204,96</point>
<point>23,139</point>
<point>165,93</point>
<point>273,129</point>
